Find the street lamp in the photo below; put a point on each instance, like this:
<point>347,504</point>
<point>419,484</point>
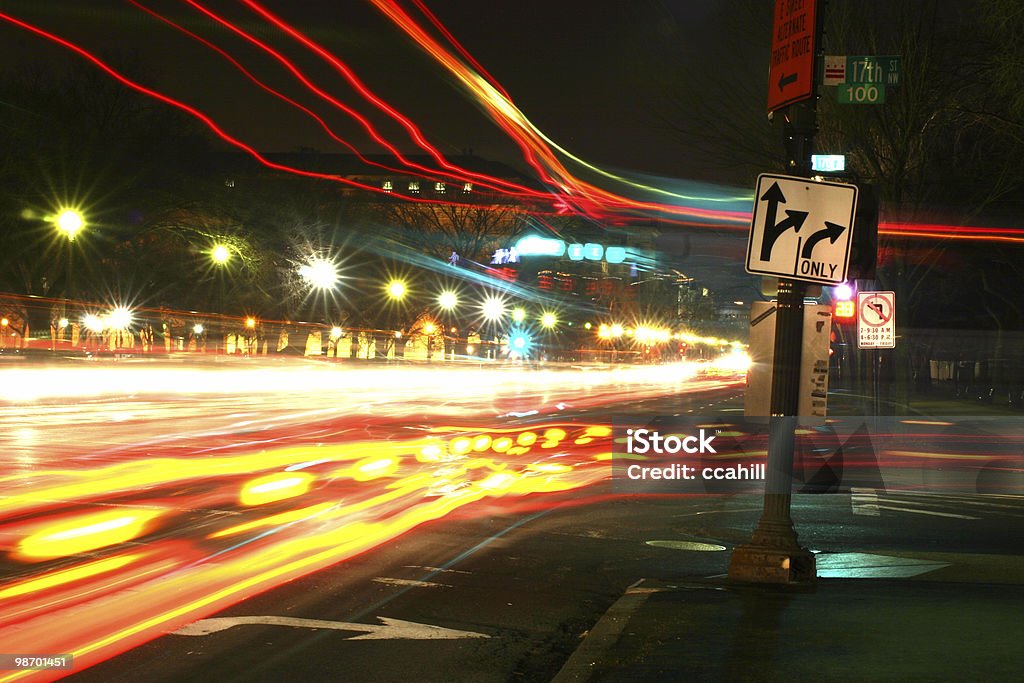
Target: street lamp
<point>70,222</point>
<point>518,314</point>
<point>493,309</point>
<point>548,320</point>
<point>120,318</point>
<point>447,300</point>
<point>220,254</point>
<point>319,273</point>
<point>397,290</point>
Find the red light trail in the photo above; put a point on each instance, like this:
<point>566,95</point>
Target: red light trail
<point>567,193</point>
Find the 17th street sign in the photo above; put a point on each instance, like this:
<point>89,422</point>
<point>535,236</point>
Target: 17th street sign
<point>801,229</point>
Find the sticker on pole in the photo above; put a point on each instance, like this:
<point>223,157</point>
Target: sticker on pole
<point>876,320</point>
<point>801,229</point>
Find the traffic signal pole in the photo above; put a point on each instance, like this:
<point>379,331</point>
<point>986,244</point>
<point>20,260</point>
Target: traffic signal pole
<point>774,554</point>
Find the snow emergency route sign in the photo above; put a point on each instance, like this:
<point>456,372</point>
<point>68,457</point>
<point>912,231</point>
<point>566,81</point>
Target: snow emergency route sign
<point>876,320</point>
<point>791,69</point>
<point>801,229</point>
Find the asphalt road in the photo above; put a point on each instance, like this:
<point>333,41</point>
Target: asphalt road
<point>521,590</point>
<point>385,563</point>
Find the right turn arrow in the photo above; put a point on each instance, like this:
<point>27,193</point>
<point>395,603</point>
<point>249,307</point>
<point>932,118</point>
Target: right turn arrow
<point>831,230</point>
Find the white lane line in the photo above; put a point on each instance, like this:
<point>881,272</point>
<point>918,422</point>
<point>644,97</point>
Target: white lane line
<point>946,499</point>
<point>409,582</point>
<point>864,502</point>
<point>926,512</point>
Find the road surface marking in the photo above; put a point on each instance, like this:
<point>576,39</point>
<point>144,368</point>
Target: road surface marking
<point>409,582</point>
<point>926,512</point>
<point>864,502</point>
<point>434,570</point>
<point>390,629</point>
<point>871,566</point>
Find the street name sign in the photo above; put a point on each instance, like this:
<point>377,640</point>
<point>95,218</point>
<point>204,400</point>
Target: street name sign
<point>876,320</point>
<point>860,93</point>
<point>862,70</point>
<point>801,229</point>
<point>828,163</point>
<point>791,70</point>
<point>874,69</point>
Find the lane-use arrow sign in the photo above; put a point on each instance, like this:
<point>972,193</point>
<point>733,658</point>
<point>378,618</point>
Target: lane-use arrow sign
<point>831,232</point>
<point>812,242</point>
<point>773,230</point>
<point>389,629</point>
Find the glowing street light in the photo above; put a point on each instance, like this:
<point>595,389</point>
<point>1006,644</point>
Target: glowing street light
<point>397,290</point>
<point>493,308</point>
<point>429,328</point>
<point>70,222</point>
<point>548,320</point>
<point>519,344</point>
<point>119,318</point>
<point>250,323</point>
<point>447,300</point>
<point>220,254</point>
<point>319,273</point>
<point>518,314</point>
<point>336,333</point>
<point>93,323</point>
<point>198,329</point>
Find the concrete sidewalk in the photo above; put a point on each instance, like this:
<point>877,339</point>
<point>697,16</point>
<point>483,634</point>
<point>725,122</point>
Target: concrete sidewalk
<point>837,630</point>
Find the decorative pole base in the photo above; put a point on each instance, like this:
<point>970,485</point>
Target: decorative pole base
<point>766,564</point>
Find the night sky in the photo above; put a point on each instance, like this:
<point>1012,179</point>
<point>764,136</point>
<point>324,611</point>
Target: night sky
<point>604,79</point>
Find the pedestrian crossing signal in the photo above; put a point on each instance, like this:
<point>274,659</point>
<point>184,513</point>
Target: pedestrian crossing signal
<point>844,310</point>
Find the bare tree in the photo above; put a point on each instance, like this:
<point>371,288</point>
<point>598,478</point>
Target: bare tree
<point>470,230</point>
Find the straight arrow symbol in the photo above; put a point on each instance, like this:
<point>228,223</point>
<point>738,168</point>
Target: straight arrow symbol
<point>772,230</point>
<point>831,230</point>
<point>391,629</point>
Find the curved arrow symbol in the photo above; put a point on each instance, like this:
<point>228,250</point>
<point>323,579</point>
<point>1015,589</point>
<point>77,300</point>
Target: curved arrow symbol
<point>831,230</point>
<point>391,628</point>
<point>772,230</point>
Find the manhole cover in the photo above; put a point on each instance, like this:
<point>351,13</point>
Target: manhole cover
<point>687,545</point>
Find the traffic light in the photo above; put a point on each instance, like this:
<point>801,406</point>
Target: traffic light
<point>864,248</point>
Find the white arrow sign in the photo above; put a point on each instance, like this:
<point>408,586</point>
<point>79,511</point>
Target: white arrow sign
<point>392,629</point>
<point>801,229</point>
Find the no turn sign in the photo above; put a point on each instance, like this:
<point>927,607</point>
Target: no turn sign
<point>876,320</point>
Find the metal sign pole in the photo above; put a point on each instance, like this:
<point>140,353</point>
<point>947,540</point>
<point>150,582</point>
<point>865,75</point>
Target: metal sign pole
<point>773,554</point>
